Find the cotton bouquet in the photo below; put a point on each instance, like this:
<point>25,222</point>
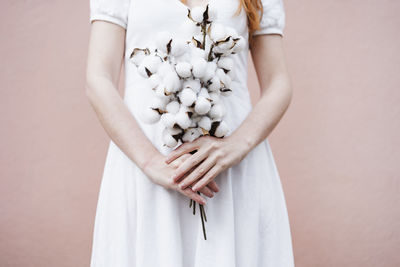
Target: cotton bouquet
<point>188,74</point>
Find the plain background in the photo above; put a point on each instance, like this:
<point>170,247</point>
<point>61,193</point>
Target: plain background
<point>337,148</point>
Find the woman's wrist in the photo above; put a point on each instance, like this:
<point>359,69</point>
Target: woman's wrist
<point>244,143</point>
<point>147,159</point>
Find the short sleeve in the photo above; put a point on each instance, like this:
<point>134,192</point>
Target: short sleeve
<point>273,18</point>
<point>115,11</point>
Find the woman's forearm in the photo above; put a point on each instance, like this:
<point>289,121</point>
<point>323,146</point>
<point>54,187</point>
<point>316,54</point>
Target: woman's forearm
<point>266,113</point>
<point>118,122</point>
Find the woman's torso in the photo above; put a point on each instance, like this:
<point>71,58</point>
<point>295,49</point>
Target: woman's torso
<point>145,19</point>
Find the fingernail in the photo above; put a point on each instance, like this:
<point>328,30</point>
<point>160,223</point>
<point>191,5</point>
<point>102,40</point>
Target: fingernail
<point>194,188</point>
<point>181,185</point>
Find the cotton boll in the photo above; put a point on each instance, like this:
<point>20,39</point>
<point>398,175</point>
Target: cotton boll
<point>205,123</point>
<point>137,56</point>
<point>196,52</point>
<point>172,82</point>
<point>162,39</point>
<point>168,119</point>
<point>192,124</point>
<point>204,93</point>
<point>188,29</point>
<point>173,107</point>
<point>197,13</point>
<point>185,57</point>
<point>187,96</point>
<point>184,69</point>
<point>225,63</point>
<point>165,69</point>
<point>195,84</point>
<point>231,32</point>
<point>150,115</point>
<point>196,118</point>
<point>158,103</point>
<point>152,63</point>
<point>240,45</point>
<point>225,79</point>
<point>217,32</point>
<point>199,67</point>
<point>182,119</point>
<point>160,90</point>
<point>222,129</point>
<point>154,80</point>
<point>214,96</point>
<point>191,134</point>
<point>178,47</point>
<point>215,84</point>
<point>210,71</point>
<point>202,105</point>
<point>143,71</point>
<point>174,130</point>
<point>168,139</point>
<point>217,111</point>
<point>212,13</point>
<point>232,73</point>
<point>225,46</point>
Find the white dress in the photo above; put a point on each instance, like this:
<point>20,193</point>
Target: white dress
<point>141,224</point>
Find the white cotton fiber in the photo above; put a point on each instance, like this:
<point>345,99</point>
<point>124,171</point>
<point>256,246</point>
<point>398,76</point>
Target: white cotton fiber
<point>217,111</point>
<point>184,69</point>
<point>225,63</point>
<point>204,93</point>
<point>214,96</point>
<point>205,123</point>
<point>168,139</point>
<point>199,67</point>
<point>197,13</point>
<point>162,39</point>
<point>217,32</point>
<point>195,85</point>
<point>222,129</point>
<point>150,116</point>
<point>191,134</point>
<point>210,71</point>
<point>202,105</point>
<point>187,96</point>
<point>182,119</point>
<point>173,107</point>
<point>178,47</point>
<point>215,84</point>
<point>168,119</point>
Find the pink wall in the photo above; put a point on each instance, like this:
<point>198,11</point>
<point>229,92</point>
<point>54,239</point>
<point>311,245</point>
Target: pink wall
<point>336,148</point>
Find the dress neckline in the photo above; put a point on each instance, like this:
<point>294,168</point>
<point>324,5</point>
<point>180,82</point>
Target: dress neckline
<point>187,7</point>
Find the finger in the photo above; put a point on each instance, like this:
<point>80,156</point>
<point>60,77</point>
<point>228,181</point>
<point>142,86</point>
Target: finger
<point>180,150</point>
<point>177,162</point>
<point>213,186</point>
<point>186,166</point>
<point>210,175</point>
<point>197,173</point>
<point>207,191</point>
<point>193,195</point>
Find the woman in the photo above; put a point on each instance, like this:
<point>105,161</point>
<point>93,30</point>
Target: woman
<point>143,218</point>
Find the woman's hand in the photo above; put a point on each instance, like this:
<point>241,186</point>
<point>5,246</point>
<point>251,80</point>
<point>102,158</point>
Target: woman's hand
<point>213,155</point>
<point>160,173</point>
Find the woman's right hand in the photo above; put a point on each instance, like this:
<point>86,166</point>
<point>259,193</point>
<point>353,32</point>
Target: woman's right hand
<point>160,173</point>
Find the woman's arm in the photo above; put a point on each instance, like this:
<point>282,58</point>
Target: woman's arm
<point>105,57</point>
<point>214,155</point>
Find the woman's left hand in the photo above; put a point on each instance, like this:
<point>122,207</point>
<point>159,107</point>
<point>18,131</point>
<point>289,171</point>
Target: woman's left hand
<point>213,155</point>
